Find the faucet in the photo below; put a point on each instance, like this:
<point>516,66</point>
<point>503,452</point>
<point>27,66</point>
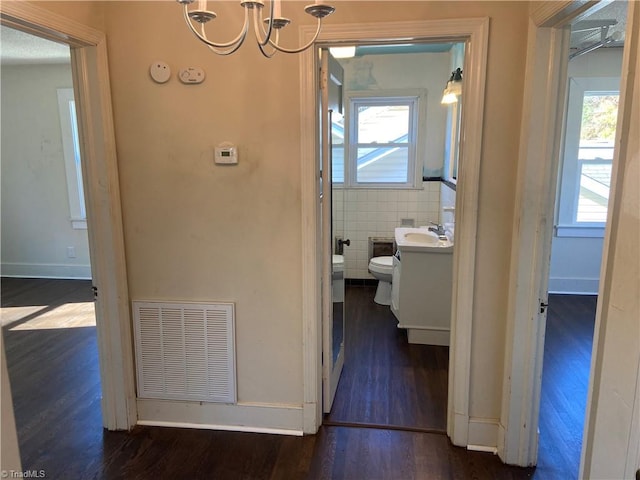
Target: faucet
<point>438,230</point>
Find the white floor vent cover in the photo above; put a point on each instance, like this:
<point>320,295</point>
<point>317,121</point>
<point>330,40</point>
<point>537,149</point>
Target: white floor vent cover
<point>185,351</point>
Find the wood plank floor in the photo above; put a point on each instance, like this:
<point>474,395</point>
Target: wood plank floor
<point>386,381</point>
<point>56,390</point>
<point>565,381</point>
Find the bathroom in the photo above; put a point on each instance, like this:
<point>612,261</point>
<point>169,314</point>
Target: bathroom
<point>368,215</point>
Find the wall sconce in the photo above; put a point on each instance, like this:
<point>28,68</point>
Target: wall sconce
<point>268,41</point>
<point>453,89</point>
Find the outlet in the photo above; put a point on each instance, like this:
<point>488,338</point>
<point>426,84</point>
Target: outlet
<point>71,252</point>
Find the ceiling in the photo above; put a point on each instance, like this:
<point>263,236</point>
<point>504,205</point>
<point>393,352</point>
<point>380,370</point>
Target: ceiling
<point>19,48</point>
<point>609,22</point>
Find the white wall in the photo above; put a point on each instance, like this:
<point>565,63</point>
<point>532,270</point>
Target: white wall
<point>575,261</point>
<point>36,227</point>
<point>377,212</point>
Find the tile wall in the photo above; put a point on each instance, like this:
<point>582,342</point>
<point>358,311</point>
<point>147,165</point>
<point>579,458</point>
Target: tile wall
<point>376,213</point>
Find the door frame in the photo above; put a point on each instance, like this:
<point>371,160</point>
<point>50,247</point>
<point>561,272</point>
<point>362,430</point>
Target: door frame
<point>102,196</point>
<point>543,110</point>
<point>474,31</point>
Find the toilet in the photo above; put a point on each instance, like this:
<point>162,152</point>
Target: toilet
<point>382,269</point>
<point>337,278</point>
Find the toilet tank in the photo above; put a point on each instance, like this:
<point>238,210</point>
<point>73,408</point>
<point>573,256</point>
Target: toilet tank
<point>381,247</point>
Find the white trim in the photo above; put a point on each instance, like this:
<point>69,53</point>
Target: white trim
<point>416,99</point>
<point>223,428</point>
<point>242,417</point>
<point>78,224</point>
<point>483,434</point>
<point>99,164</point>
<point>73,172</point>
<point>46,270</point>
<point>476,30</point>
<point>576,231</point>
<point>573,285</point>
<point>569,180</point>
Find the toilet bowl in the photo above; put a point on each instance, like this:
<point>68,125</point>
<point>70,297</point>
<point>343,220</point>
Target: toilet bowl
<point>382,269</point>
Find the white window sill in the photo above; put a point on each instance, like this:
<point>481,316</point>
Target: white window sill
<point>593,231</point>
<point>78,224</point>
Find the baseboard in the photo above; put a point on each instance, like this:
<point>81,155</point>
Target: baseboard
<point>483,434</point>
<point>46,270</point>
<point>427,335</point>
<point>574,286</point>
<point>361,282</point>
<point>257,418</point>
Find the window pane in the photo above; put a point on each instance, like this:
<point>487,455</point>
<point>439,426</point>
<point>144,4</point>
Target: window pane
<point>383,123</point>
<point>383,165</point>
<point>595,153</point>
<point>595,180</point>
<point>599,117</point>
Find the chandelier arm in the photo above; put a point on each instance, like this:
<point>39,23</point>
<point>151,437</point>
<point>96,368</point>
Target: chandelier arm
<point>263,37</point>
<point>229,51</point>
<point>263,50</point>
<point>301,49</point>
<point>203,38</point>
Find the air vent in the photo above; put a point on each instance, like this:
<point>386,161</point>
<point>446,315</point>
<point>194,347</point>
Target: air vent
<point>185,351</point>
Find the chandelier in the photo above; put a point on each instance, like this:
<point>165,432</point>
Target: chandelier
<point>266,31</point>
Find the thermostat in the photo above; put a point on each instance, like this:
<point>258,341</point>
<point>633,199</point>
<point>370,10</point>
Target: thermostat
<point>226,154</point>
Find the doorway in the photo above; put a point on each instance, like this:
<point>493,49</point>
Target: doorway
<point>393,149</point>
<point>47,298</point>
<point>474,31</point>
<point>584,179</point>
<point>97,144</point>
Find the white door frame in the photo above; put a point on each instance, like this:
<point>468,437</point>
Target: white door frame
<point>104,217</point>
<point>476,32</point>
<point>545,84</point>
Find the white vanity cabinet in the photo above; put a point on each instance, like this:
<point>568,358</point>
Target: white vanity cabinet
<point>421,294</point>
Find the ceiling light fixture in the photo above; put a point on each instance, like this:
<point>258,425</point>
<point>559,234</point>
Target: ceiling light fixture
<point>453,89</point>
<point>343,52</point>
<point>267,39</point>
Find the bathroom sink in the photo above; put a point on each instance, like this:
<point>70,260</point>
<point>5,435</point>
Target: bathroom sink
<point>421,239</point>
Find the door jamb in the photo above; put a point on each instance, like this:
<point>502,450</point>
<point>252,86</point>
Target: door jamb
<point>104,216</point>
<point>475,31</point>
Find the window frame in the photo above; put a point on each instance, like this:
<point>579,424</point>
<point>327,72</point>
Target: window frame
<point>72,162</point>
<point>568,193</point>
<point>416,99</point>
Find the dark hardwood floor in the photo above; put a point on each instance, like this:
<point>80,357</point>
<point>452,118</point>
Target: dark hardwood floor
<point>386,381</point>
<point>565,381</point>
<point>56,391</point>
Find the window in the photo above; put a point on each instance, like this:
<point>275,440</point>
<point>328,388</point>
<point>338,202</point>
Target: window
<point>592,113</point>
<point>71,149</point>
<point>381,148</point>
